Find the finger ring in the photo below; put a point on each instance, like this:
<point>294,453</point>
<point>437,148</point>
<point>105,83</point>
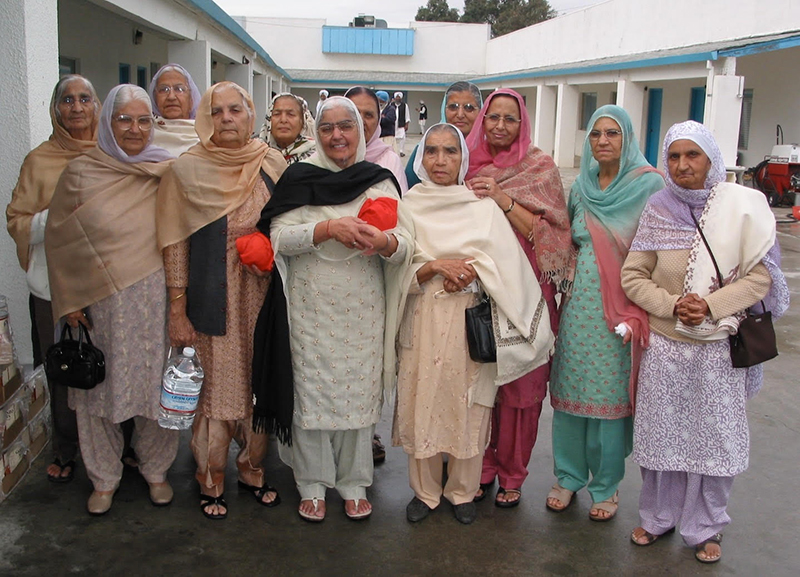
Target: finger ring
<point>461,276</point>
<point>354,243</point>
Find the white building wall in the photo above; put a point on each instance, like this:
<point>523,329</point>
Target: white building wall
<point>622,27</point>
<point>438,47</point>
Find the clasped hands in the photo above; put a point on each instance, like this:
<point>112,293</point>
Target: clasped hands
<point>357,234</point>
<point>691,309</point>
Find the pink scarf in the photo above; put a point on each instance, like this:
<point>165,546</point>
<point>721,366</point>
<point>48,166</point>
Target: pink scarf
<point>376,147</point>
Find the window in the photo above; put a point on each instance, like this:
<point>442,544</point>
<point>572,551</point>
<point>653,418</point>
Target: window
<point>67,66</point>
<point>697,104</point>
<point>154,68</point>
<point>744,121</point>
<point>588,106</point>
<point>124,73</point>
<point>141,76</point>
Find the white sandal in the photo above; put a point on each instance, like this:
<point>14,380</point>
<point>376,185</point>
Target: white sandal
<point>357,516</point>
<point>312,518</point>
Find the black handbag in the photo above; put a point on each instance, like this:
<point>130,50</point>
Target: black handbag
<point>480,332</point>
<point>75,363</point>
<point>754,342</point>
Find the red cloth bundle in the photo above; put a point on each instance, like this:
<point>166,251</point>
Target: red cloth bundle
<point>256,249</point>
<point>380,212</point>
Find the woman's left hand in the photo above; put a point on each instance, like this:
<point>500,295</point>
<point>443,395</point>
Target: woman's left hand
<point>254,270</point>
<point>691,309</point>
<point>374,239</point>
<point>485,186</point>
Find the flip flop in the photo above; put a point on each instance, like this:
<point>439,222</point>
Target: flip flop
<point>610,505</point>
<point>311,518</point>
<point>507,504</point>
<point>206,500</point>
<point>259,492</point>
<point>701,548</point>
<point>357,516</point>
<point>60,478</point>
<point>560,493</point>
<point>650,538</point>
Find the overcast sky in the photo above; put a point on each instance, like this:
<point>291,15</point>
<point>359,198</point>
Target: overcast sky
<point>341,12</point>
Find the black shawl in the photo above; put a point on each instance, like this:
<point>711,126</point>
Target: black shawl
<point>302,184</point>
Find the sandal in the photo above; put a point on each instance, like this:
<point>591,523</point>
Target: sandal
<point>649,537</point>
<point>61,478</point>
<point>507,504</point>
<point>259,492</point>
<point>483,488</point>
<point>207,500</point>
<point>357,516</point>
<point>378,450</point>
<point>701,548</point>
<point>559,493</point>
<point>610,506</point>
<point>312,518</point>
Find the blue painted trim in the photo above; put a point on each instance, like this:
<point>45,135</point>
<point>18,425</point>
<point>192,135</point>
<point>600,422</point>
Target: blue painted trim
<point>223,19</point>
<point>646,63</point>
<point>770,46</point>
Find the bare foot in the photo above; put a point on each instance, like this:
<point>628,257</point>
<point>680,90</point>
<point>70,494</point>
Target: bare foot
<point>599,513</point>
<point>269,497</point>
<point>308,509</point>
<point>56,471</point>
<point>364,507</point>
<point>510,496</point>
<point>640,536</point>
<point>554,503</point>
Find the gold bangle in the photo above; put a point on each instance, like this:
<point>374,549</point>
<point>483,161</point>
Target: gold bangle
<point>173,299</point>
<point>510,206</point>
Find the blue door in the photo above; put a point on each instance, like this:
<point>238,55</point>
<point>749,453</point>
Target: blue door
<point>653,140</point>
<point>697,104</point>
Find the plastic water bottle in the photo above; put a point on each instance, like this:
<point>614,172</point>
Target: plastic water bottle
<point>180,390</point>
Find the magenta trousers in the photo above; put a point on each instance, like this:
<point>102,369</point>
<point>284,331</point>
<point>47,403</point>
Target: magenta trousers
<point>514,433</point>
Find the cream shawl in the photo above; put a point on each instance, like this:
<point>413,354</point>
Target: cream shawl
<point>175,136</point>
<point>451,222</point>
<point>100,234</point>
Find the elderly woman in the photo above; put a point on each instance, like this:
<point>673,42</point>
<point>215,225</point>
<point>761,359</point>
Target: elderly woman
<point>175,99</point>
<point>690,433</point>
<point>289,128</point>
<point>524,182</point>
<point>212,196</point>
<point>460,106</point>
<point>594,370</point>
<point>323,365</point>
<point>104,265</point>
<point>74,115</point>
<point>444,398</point>
<point>377,151</point>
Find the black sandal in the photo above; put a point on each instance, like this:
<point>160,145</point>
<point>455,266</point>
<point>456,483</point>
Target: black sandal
<point>61,478</point>
<point>259,492</point>
<point>649,537</point>
<point>701,548</point>
<point>507,504</point>
<point>484,489</point>
<point>207,500</point>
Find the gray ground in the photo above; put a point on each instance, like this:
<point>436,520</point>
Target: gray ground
<point>45,530</point>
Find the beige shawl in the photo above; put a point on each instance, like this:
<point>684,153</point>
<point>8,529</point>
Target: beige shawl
<point>100,234</point>
<point>176,136</point>
<point>208,182</point>
<point>451,222</point>
<point>37,180</point>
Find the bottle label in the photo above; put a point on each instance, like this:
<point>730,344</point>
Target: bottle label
<point>179,403</point>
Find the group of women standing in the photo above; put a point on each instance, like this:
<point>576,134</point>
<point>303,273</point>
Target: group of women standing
<point>367,297</point>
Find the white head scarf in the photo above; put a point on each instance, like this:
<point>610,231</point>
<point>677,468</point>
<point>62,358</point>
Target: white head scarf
<point>320,158</point>
<point>105,135</point>
<point>193,90</point>
<point>420,171</point>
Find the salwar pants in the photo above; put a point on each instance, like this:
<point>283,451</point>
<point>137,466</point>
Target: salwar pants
<point>101,448</point>
<point>324,460</point>
<point>584,445</point>
<point>514,433</point>
<point>696,502</point>
<point>463,475</point>
<point>65,425</point>
<point>211,439</point>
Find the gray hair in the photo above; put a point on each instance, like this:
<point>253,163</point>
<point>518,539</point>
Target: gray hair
<point>437,128</point>
<point>462,86</point>
<point>61,87</point>
<point>242,92</point>
<point>130,93</point>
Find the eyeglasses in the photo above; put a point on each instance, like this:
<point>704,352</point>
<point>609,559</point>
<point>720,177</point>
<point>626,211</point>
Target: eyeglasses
<point>609,134</point>
<point>166,89</point>
<point>125,122</point>
<point>468,108</point>
<point>344,126</point>
<point>495,118</point>
<point>70,100</point>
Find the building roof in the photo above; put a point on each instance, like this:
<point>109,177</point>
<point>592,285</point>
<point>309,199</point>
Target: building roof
<point>352,77</point>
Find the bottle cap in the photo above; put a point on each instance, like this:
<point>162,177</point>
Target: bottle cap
<point>188,351</point>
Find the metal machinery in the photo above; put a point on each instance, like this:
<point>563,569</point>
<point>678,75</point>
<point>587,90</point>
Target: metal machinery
<point>778,175</point>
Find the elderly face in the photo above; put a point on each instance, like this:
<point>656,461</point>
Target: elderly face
<point>76,108</point>
<point>131,125</point>
<point>442,157</point>
<point>231,119</point>
<point>688,165</point>
<point>287,121</point>
<point>173,97</point>
<point>338,135</point>
<point>461,111</point>
<point>369,113</point>
<point>605,138</point>
<point>501,122</point>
